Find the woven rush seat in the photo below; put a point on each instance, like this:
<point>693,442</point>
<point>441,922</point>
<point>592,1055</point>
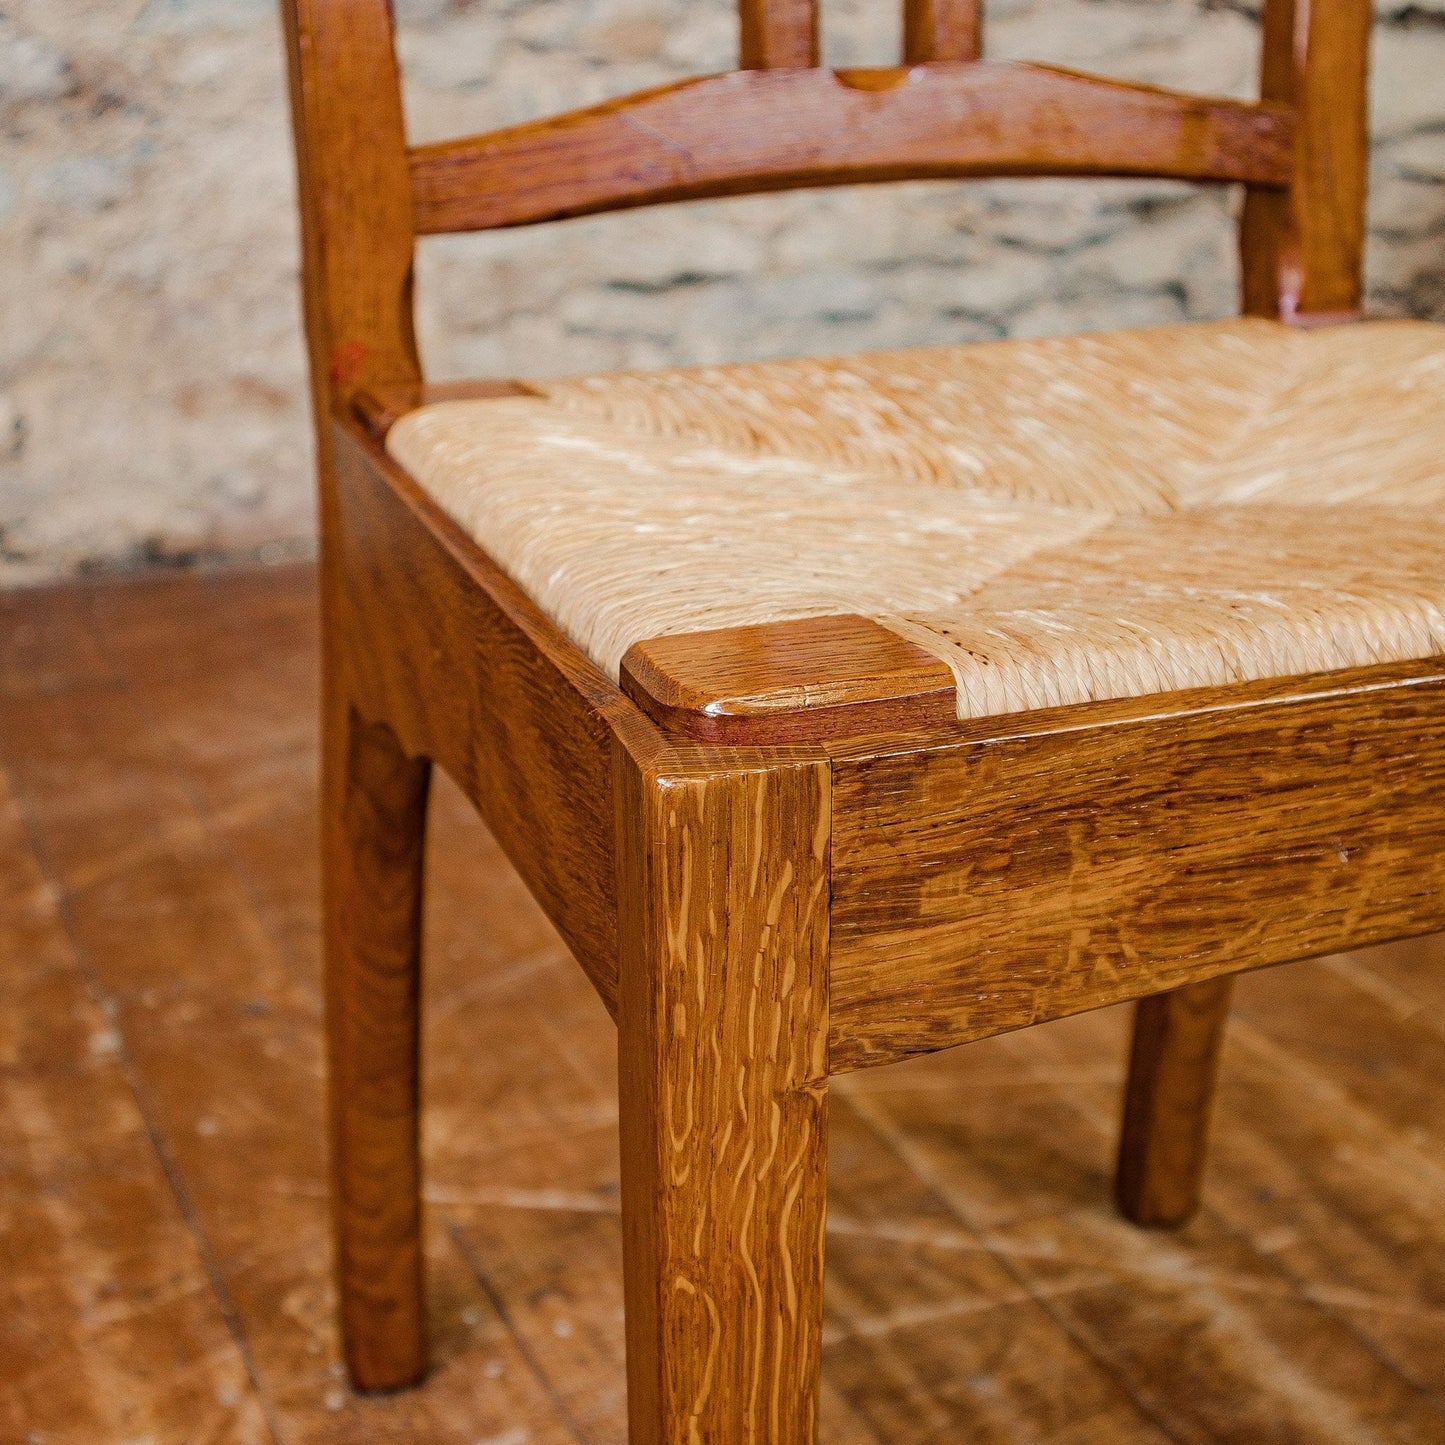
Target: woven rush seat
<point>1059,521</point>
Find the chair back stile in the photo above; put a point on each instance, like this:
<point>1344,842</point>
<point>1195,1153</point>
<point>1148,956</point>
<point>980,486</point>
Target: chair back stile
<point>357,220</point>
<point>781,122</point>
<point>1303,247</point>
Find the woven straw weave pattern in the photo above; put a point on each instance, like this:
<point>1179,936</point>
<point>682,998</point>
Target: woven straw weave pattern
<point>1059,520</point>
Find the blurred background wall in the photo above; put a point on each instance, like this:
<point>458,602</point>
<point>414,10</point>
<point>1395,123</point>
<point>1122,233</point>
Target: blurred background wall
<point>151,387</point>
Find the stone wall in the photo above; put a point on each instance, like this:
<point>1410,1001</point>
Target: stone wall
<point>150,362</point>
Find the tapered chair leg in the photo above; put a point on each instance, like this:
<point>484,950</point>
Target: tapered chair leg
<point>1172,1069</point>
<point>723,1059</point>
<point>375,814</point>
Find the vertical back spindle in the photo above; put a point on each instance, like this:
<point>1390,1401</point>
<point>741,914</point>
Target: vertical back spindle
<point>778,34</point>
<point>1304,249</point>
<point>942,30</point>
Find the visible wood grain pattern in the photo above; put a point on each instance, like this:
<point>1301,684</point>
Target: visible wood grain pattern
<point>1260,1321</point>
<point>753,131</point>
<point>1303,248</point>
<point>777,34</point>
<point>1172,1069</point>
<point>723,1064</point>
<point>985,884</point>
<point>788,681</point>
<point>468,672</point>
<point>176,813</point>
<point>984,878</point>
<point>162,736</point>
<point>108,1326</point>
<point>374,825</point>
<point>356,217</point>
<point>942,30</point>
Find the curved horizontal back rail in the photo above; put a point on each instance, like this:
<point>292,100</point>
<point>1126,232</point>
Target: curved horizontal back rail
<point>773,130</point>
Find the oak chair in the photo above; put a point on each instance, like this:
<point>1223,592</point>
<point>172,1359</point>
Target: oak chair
<point>827,832</point>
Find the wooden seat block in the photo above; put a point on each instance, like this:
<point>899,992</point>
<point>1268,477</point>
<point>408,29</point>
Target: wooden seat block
<point>788,681</point>
<point>1052,521</point>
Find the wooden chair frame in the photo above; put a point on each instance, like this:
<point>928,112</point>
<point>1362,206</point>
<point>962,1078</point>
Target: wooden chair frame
<point>774,851</point>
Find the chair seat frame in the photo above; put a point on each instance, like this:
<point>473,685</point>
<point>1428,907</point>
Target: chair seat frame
<point>776,854</point>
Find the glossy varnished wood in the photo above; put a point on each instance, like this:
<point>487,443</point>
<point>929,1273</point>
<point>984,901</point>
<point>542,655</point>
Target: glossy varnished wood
<point>470,673</point>
<point>1304,247</point>
<point>357,224</point>
<point>374,820</point>
<point>723,1063</point>
<point>164,1261</point>
<point>1172,1069</point>
<point>1042,865</point>
<point>754,130</point>
<point>788,681</point>
<point>857,876</point>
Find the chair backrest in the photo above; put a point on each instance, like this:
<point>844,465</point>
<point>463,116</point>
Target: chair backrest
<point>781,122</point>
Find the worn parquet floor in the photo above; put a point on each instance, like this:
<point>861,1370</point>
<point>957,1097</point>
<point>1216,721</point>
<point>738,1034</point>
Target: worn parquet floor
<point>163,1242</point>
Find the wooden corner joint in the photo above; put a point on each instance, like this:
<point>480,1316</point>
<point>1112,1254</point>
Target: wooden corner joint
<point>806,680</point>
<point>379,408</point>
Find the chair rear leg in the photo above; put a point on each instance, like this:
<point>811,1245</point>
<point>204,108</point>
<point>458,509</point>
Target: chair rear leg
<point>1172,1070</point>
<point>374,824</point>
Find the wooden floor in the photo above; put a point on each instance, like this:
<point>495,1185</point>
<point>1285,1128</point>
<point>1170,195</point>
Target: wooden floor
<point>163,1241</point>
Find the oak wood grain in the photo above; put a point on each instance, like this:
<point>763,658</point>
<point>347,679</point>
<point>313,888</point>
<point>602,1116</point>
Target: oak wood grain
<point>788,681</point>
<point>723,1063</point>
<point>985,1292</point>
<point>982,876</point>
<point>753,131</point>
<point>184,867</point>
<point>942,30</point>
<point>1303,249</point>
<point>470,673</point>
<point>1172,1069</point>
<point>1047,866</point>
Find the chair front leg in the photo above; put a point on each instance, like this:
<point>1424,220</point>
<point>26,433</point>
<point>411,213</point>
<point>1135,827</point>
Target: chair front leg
<point>1172,1069</point>
<point>374,822</point>
<point>723,1073</point>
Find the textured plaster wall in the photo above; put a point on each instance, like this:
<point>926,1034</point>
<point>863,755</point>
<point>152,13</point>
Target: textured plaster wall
<point>150,362</point>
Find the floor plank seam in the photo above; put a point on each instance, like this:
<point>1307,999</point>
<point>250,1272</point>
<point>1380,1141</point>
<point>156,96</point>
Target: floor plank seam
<point>1104,1359</point>
<point>519,1339</point>
<point>1298,1287</point>
<point>205,816</point>
<point>109,1008</point>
